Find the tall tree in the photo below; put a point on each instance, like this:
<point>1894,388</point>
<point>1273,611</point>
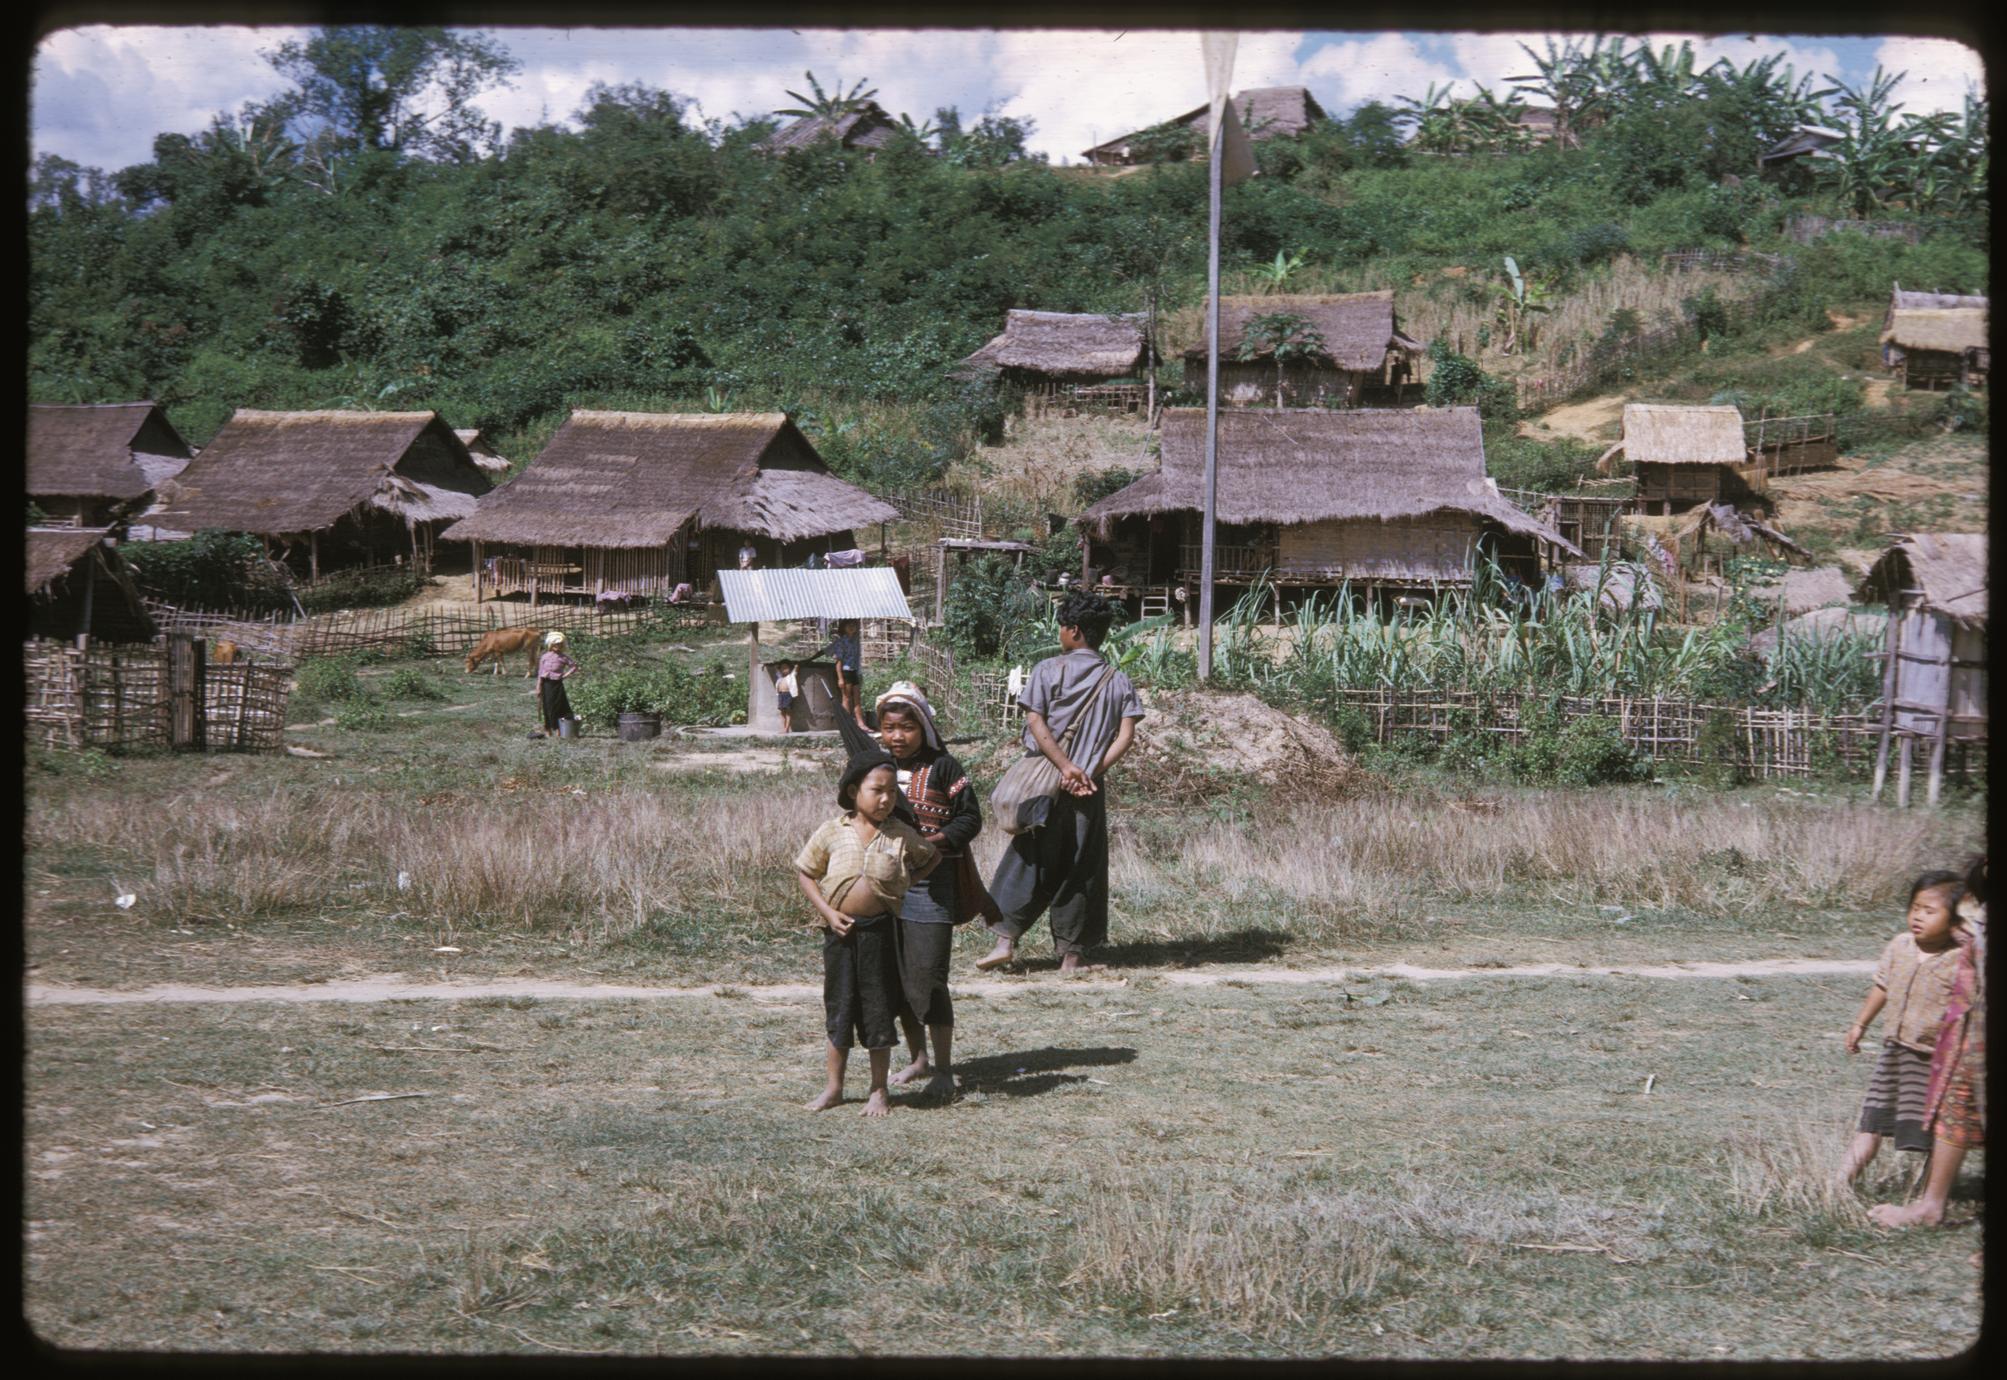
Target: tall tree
<point>404,90</point>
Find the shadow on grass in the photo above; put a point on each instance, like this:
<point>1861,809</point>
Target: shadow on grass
<point>1035,1071</point>
<point>1253,944</point>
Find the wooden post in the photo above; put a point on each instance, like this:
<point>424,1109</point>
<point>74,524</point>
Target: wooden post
<point>90,589</point>
<point>1903,753</point>
<point>314,556</point>
<point>185,691</point>
<point>475,574</point>
<point>1890,643</point>
<point>1940,738</point>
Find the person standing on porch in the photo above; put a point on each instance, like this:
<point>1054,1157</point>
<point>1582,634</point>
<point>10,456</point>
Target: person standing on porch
<point>1063,864</point>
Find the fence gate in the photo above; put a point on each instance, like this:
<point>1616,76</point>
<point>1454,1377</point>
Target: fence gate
<point>185,697</point>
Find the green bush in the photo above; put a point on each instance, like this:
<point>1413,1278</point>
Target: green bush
<point>601,696</point>
<point>362,715</point>
<point>1591,752</point>
<point>991,610</point>
<point>210,570</point>
<point>1724,761</point>
<point>328,680</point>
<point>410,683</point>
<point>376,587</point>
<point>1353,727</point>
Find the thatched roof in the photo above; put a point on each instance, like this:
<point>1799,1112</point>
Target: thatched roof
<point>1266,112</point>
<point>1358,327</point>
<point>1661,434</point>
<point>278,473</point>
<point>1812,140</point>
<point>110,450</point>
<point>866,127</point>
<point>1953,330</point>
<point>1291,466</point>
<point>1065,344</point>
<point>1948,567</point>
<point>1822,586</point>
<point>53,552</point>
<point>632,479</point>
<point>483,453</point>
<point>1739,527</point>
<point>1899,300</point>
<point>1819,625</point>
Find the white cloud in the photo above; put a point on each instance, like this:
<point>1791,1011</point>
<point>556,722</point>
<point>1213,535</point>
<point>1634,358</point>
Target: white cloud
<point>1383,67</point>
<point>1940,71</point>
<point>101,93</point>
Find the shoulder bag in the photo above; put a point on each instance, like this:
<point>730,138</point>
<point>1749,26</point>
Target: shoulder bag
<point>1023,797</point>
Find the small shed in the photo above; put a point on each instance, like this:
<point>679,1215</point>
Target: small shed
<point>865,126</point>
<point>79,586</point>
<point>1687,456</point>
<point>1934,672</point>
<point>778,596</point>
<point>1266,112</point>
<point>1381,500</point>
<point>1364,360</point>
<point>330,490</point>
<point>96,464</point>
<point>639,502</point>
<point>1053,353</point>
<point>1934,340</point>
<point>962,548</point>
<point>483,454</point>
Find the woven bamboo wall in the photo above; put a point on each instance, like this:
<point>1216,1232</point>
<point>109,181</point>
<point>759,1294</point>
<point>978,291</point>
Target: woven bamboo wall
<point>116,698</point>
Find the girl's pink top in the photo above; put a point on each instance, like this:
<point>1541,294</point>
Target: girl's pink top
<point>554,665</point>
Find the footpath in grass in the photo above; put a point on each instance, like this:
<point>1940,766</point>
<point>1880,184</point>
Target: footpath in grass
<point>1605,1166</point>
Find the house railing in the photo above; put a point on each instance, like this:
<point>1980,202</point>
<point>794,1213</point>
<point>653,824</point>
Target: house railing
<point>1228,560</point>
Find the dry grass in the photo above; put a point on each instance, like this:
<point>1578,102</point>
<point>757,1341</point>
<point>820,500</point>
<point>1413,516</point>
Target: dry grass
<point>1791,1168</point>
<point>1042,455</point>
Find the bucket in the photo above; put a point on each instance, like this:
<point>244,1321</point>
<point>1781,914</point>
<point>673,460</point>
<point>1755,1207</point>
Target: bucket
<point>636,727</point>
<point>567,728</point>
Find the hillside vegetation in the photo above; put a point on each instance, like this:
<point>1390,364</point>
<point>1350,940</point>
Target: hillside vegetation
<point>643,260</point>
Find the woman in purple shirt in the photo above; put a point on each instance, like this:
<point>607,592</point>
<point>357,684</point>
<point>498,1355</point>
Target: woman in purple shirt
<point>552,669</point>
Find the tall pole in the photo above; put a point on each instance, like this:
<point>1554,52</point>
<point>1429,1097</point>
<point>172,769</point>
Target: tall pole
<point>1212,404</point>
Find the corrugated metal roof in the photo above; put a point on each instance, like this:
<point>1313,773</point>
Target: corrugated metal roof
<point>771,596</point>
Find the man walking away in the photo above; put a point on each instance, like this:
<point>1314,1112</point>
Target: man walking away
<point>1063,864</point>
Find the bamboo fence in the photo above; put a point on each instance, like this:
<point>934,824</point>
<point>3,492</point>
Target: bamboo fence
<point>117,698</point>
<point>1805,227</point>
<point>438,629</point>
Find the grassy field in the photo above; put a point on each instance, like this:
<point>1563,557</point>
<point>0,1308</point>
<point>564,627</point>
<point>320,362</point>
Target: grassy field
<point>1357,1167</point>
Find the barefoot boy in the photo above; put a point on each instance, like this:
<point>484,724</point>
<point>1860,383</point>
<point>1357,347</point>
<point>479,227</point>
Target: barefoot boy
<point>854,870</point>
<point>1063,864</point>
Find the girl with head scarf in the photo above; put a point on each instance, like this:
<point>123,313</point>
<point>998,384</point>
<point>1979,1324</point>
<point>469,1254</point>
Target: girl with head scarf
<point>552,669</point>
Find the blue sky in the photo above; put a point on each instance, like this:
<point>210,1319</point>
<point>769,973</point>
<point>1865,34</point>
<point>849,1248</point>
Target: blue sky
<point>101,93</point>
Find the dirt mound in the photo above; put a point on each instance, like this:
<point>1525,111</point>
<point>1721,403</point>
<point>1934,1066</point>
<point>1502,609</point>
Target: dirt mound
<point>1194,737</point>
<point>1597,420</point>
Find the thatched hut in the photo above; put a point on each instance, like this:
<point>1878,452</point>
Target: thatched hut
<point>1935,339</point>
<point>482,452</point>
<point>1806,143</point>
<point>1934,675</point>
<point>1364,360</point>
<point>638,502</point>
<point>866,126</point>
<point>95,465</point>
<point>340,489</point>
<point>1687,456</point>
<point>1393,501</point>
<point>1059,353</point>
<point>79,586</point>
<point>1266,112</point>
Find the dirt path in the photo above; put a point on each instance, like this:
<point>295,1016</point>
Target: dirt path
<point>1595,420</point>
<point>384,989</point>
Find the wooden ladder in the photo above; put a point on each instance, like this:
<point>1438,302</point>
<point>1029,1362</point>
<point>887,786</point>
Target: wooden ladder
<point>1156,600</point>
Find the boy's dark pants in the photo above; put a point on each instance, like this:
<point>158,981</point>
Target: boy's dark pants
<point>861,987</point>
<point>1062,864</point>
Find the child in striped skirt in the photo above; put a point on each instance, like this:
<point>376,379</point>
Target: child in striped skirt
<point>1912,983</point>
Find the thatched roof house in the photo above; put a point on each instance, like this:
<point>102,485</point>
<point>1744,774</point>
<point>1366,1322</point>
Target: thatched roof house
<point>352,487</point>
<point>482,452</point>
<point>1936,339</point>
<point>1266,112</point>
<point>865,127</point>
<point>1934,683</point>
<point>1364,359</point>
<point>1318,497</point>
<point>1809,142</point>
<point>637,502</point>
<point>77,584</point>
<point>1686,456</point>
<point>94,463</point>
<point>1061,346</point>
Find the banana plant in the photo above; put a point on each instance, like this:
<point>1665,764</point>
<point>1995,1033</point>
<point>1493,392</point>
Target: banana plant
<point>1517,298</point>
<point>1273,276</point>
<point>830,104</point>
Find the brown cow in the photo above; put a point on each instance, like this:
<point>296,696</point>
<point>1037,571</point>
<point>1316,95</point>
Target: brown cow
<point>499,643</point>
<point>225,653</point>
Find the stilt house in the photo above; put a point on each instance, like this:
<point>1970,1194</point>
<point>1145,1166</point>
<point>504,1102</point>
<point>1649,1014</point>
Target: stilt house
<point>495,466</point>
<point>78,585</point>
<point>1935,339</point>
<point>1056,353</point>
<point>328,490</point>
<point>92,466</point>
<point>1364,360</point>
<point>1386,500</point>
<point>1266,112</point>
<point>866,127</point>
<point>1687,456</point>
<point>1934,672</point>
<point>638,502</point>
